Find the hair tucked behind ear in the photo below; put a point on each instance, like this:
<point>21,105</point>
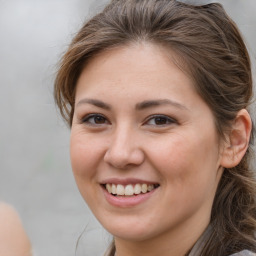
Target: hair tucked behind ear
<point>212,52</point>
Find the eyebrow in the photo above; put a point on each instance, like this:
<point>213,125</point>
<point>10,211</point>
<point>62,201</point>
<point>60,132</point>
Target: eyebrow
<point>139,106</point>
<point>153,103</point>
<point>97,103</point>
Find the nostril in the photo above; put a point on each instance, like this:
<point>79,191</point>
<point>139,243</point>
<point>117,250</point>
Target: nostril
<point>124,158</point>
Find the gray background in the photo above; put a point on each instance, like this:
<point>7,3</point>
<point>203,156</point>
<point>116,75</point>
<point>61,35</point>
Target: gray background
<point>36,176</point>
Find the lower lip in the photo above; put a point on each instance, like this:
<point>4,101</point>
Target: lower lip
<point>127,201</point>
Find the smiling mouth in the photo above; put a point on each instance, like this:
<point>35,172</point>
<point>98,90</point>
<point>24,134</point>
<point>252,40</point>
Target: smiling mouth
<point>129,190</point>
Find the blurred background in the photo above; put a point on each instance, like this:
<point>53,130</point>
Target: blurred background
<point>35,173</point>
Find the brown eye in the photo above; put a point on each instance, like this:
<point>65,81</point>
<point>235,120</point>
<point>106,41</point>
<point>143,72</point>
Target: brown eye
<point>99,120</point>
<point>95,119</point>
<point>159,120</point>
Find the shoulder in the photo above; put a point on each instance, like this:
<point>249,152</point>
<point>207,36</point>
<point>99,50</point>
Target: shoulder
<point>13,239</point>
<point>244,253</point>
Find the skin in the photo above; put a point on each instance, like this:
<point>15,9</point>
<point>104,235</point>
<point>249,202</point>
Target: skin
<point>13,239</point>
<point>182,153</point>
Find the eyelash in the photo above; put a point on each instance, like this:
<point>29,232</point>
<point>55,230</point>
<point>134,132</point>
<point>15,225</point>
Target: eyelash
<point>168,120</point>
<point>88,117</point>
<point>161,118</point>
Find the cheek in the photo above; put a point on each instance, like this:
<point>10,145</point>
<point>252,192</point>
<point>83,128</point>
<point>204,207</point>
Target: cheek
<point>188,170</point>
<point>84,153</point>
<point>186,158</point>
<point>170,154</point>
<point>83,156</point>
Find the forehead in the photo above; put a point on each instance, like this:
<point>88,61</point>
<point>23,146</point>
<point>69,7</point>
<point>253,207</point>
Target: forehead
<point>141,64</point>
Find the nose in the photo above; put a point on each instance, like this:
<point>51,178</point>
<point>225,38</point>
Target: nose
<point>124,150</point>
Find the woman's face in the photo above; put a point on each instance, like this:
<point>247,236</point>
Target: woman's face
<point>140,129</point>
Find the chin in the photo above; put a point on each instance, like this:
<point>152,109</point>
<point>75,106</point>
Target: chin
<point>130,229</point>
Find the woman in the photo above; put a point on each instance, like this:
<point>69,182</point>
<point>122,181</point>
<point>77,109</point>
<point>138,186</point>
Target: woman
<point>156,93</point>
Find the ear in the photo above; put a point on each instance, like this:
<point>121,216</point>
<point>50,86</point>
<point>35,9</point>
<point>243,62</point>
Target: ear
<point>237,140</point>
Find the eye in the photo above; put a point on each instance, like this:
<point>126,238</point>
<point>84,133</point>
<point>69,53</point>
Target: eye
<point>95,119</point>
<point>160,120</point>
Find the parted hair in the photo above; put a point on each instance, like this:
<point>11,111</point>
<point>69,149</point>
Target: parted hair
<point>211,51</point>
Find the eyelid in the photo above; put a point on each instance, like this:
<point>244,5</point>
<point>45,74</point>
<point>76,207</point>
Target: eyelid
<point>85,119</point>
<point>170,120</point>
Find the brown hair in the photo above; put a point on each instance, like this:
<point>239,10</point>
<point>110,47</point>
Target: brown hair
<point>211,50</point>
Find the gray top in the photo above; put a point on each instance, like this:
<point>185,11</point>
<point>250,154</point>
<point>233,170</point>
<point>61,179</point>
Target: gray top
<point>244,253</point>
<point>201,241</point>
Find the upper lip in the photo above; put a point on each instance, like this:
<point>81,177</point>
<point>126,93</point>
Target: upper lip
<point>127,181</point>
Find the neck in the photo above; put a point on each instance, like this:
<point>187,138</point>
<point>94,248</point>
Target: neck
<point>177,242</point>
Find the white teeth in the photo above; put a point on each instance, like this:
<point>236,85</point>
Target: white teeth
<point>119,190</point>
<point>129,190</point>
<point>144,188</point>
<point>150,187</point>
<point>113,188</point>
<point>109,188</point>
<point>137,189</point>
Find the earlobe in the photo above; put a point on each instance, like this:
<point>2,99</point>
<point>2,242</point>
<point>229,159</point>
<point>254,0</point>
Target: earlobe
<point>237,141</point>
